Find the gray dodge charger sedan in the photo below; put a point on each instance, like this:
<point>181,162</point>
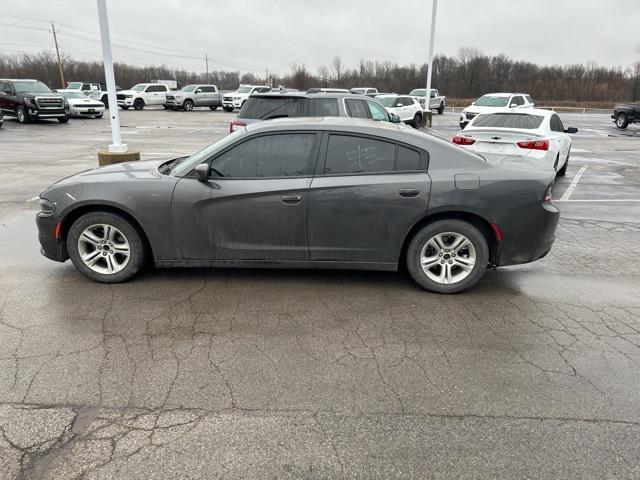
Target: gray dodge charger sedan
<point>305,193</point>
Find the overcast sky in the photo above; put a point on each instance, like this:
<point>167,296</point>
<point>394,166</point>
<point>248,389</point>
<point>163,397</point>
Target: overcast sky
<point>249,35</point>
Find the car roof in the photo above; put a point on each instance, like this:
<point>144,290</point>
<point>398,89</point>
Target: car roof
<point>18,80</point>
<point>324,123</point>
<point>308,95</point>
<point>503,94</point>
<point>524,111</point>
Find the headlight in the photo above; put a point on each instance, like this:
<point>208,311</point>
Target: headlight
<point>46,206</point>
<point>28,101</point>
<point>66,103</point>
<point>128,96</point>
<point>178,97</point>
<point>236,98</point>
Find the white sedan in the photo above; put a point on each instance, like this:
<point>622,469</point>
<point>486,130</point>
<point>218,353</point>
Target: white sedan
<point>530,139</point>
<point>407,108</point>
<point>80,105</point>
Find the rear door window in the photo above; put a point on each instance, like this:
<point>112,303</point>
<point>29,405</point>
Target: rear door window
<point>324,107</point>
<point>269,156</point>
<point>357,109</point>
<point>408,160</point>
<point>351,155</point>
<point>556,124</point>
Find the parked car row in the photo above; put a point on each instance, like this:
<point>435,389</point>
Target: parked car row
<point>31,100</point>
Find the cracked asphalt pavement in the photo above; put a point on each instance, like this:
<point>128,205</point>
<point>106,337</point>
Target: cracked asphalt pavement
<point>260,374</point>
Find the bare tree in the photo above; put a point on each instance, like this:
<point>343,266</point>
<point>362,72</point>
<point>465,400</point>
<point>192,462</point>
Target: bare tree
<point>336,67</point>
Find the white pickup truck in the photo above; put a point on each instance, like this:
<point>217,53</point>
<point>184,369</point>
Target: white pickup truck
<point>142,95</point>
<point>236,99</point>
<point>436,101</point>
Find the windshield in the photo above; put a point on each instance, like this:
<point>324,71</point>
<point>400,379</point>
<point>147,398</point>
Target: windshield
<point>386,101</point>
<point>139,87</point>
<point>418,92</point>
<point>75,86</point>
<point>203,155</point>
<point>265,108</point>
<point>73,94</point>
<point>508,120</point>
<point>189,88</point>
<point>244,90</point>
<point>31,87</point>
<point>492,101</point>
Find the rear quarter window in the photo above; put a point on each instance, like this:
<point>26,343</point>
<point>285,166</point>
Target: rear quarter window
<point>264,108</point>
<point>324,107</point>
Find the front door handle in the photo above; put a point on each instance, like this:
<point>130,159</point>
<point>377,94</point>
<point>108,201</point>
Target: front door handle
<point>409,192</point>
<point>291,198</point>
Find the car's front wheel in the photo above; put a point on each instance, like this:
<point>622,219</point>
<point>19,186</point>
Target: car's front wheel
<point>441,109</point>
<point>417,121</point>
<point>138,104</point>
<point>188,105</point>
<point>22,115</point>
<point>228,109</point>
<point>448,256</point>
<point>213,107</point>
<point>105,247</point>
<point>622,121</point>
<point>63,119</point>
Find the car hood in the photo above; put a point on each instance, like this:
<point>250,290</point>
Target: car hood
<point>128,92</point>
<point>475,109</point>
<point>121,171</point>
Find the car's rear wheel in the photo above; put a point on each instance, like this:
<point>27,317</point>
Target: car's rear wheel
<point>105,247</point>
<point>417,121</point>
<point>622,121</point>
<point>105,100</point>
<point>188,105</point>
<point>441,109</point>
<point>213,107</point>
<point>138,104</point>
<point>448,256</point>
<point>22,115</point>
<point>563,171</point>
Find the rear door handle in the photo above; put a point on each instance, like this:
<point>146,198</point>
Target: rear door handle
<point>291,198</point>
<point>409,192</point>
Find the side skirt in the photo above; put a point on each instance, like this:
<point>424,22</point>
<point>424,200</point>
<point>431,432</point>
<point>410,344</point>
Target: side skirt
<point>382,266</point>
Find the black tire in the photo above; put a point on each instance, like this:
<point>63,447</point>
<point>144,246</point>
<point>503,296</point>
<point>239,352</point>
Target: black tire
<point>441,109</point>
<point>417,121</point>
<point>99,115</point>
<point>563,171</point>
<point>124,107</point>
<point>187,105</point>
<point>63,119</point>
<point>133,237</point>
<point>228,109</point>
<point>459,227</point>
<point>212,107</point>
<point>105,100</point>
<point>21,113</point>
<point>165,107</point>
<point>622,121</point>
<point>138,104</point>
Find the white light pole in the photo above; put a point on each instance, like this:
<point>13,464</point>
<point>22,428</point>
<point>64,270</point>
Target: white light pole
<point>117,146</point>
<point>430,62</point>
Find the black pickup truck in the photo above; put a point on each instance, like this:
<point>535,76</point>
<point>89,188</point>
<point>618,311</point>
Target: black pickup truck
<point>31,100</point>
<point>626,113</point>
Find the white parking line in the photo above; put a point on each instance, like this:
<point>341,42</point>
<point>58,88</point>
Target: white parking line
<point>580,150</point>
<point>600,160</point>
<point>601,200</point>
<point>574,183</point>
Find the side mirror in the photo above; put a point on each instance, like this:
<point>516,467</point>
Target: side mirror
<point>198,91</point>
<point>394,118</point>
<point>513,105</point>
<point>202,171</point>
<point>399,105</point>
<point>571,130</point>
<point>473,103</point>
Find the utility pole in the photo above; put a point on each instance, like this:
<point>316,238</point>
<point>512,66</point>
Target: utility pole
<point>266,77</point>
<point>427,100</point>
<point>206,62</point>
<point>55,40</point>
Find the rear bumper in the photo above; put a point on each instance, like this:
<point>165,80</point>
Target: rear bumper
<point>51,247</point>
<point>532,239</point>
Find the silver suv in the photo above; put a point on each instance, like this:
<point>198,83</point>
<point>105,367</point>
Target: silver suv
<point>266,106</point>
<point>194,96</point>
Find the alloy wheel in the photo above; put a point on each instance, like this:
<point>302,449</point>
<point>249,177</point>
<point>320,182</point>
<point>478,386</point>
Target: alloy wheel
<point>104,249</point>
<point>448,258</point>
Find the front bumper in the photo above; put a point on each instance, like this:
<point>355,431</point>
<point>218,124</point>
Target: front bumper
<point>127,102</point>
<point>35,112</point>
<point>232,103</point>
<point>78,111</point>
<point>174,103</point>
<point>51,247</point>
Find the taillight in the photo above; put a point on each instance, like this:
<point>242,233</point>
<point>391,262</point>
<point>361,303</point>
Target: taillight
<point>548,194</point>
<point>534,144</point>
<point>458,140</point>
<point>235,125</point>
